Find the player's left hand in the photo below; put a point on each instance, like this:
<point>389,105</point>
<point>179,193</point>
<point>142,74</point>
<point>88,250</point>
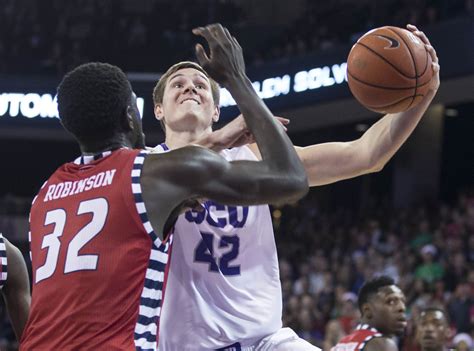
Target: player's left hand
<point>225,60</point>
<point>434,83</point>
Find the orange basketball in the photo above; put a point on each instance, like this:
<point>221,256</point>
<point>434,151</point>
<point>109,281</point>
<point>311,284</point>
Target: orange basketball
<point>388,70</point>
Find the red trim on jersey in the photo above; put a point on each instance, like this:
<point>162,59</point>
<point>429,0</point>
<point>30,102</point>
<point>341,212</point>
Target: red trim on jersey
<point>358,339</point>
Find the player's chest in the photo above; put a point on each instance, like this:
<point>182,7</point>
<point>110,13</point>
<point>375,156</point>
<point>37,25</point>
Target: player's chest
<point>217,217</point>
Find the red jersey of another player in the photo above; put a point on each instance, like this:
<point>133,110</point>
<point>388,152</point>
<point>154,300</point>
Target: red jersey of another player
<point>3,262</point>
<point>357,340</point>
<point>98,267</point>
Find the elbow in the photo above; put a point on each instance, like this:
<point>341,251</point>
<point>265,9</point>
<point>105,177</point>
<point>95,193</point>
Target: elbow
<point>376,167</point>
<point>374,163</point>
<point>301,186</point>
<point>296,188</point>
<point>277,189</point>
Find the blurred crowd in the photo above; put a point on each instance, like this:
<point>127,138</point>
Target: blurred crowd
<point>326,25</point>
<point>325,256</point>
<point>52,36</point>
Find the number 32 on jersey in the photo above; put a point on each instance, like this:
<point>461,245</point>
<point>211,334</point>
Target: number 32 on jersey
<point>74,262</point>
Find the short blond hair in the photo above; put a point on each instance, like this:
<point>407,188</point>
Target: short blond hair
<point>159,89</point>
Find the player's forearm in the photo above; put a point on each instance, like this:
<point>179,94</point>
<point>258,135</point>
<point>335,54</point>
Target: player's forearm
<point>386,136</point>
<point>275,146</point>
<point>18,307</point>
<point>211,141</point>
<point>17,289</point>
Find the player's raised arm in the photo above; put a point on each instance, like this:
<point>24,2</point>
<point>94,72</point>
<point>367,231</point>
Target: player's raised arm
<point>194,171</point>
<point>197,172</point>
<point>226,65</point>
<point>331,162</point>
<point>16,291</point>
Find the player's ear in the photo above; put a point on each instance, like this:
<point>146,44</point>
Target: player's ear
<point>367,310</point>
<point>128,121</point>
<point>159,112</point>
<point>216,113</point>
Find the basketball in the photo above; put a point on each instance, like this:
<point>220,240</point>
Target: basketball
<point>389,70</point>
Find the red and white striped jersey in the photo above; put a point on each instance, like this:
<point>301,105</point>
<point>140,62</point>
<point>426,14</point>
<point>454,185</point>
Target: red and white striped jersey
<point>98,266</point>
<point>357,340</point>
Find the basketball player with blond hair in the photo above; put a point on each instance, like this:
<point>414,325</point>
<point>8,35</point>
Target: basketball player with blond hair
<point>223,290</point>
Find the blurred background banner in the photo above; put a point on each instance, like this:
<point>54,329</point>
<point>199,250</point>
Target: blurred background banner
<point>293,88</point>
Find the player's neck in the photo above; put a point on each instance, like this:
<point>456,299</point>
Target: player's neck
<point>96,147</point>
<point>175,140</point>
<point>368,322</point>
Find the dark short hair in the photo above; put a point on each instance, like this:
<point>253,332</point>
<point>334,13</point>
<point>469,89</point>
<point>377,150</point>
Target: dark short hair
<point>372,287</point>
<point>92,100</point>
<point>435,309</point>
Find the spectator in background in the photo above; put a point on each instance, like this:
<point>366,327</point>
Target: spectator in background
<point>457,270</point>
<point>423,237</point>
<point>432,329</point>
<point>463,342</point>
<point>461,308</point>
<point>104,26</point>
<point>345,318</point>
<point>429,271</point>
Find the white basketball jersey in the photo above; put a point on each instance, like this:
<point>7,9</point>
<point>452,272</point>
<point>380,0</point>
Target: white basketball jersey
<point>223,283</point>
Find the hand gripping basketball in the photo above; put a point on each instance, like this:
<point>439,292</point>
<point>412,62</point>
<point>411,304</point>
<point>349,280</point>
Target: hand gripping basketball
<point>390,69</point>
<point>434,84</point>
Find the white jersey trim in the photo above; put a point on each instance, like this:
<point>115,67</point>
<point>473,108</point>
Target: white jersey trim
<point>146,328</point>
<point>3,262</point>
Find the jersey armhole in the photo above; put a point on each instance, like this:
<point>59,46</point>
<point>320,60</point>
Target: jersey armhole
<point>140,203</point>
<point>367,340</point>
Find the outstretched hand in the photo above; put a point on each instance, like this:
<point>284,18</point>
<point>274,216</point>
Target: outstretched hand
<point>225,59</point>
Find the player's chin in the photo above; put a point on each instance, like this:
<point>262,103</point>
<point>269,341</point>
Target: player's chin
<point>399,327</point>
<point>428,343</point>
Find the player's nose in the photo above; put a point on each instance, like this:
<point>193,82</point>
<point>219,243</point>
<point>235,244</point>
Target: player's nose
<point>189,87</point>
<point>429,328</point>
